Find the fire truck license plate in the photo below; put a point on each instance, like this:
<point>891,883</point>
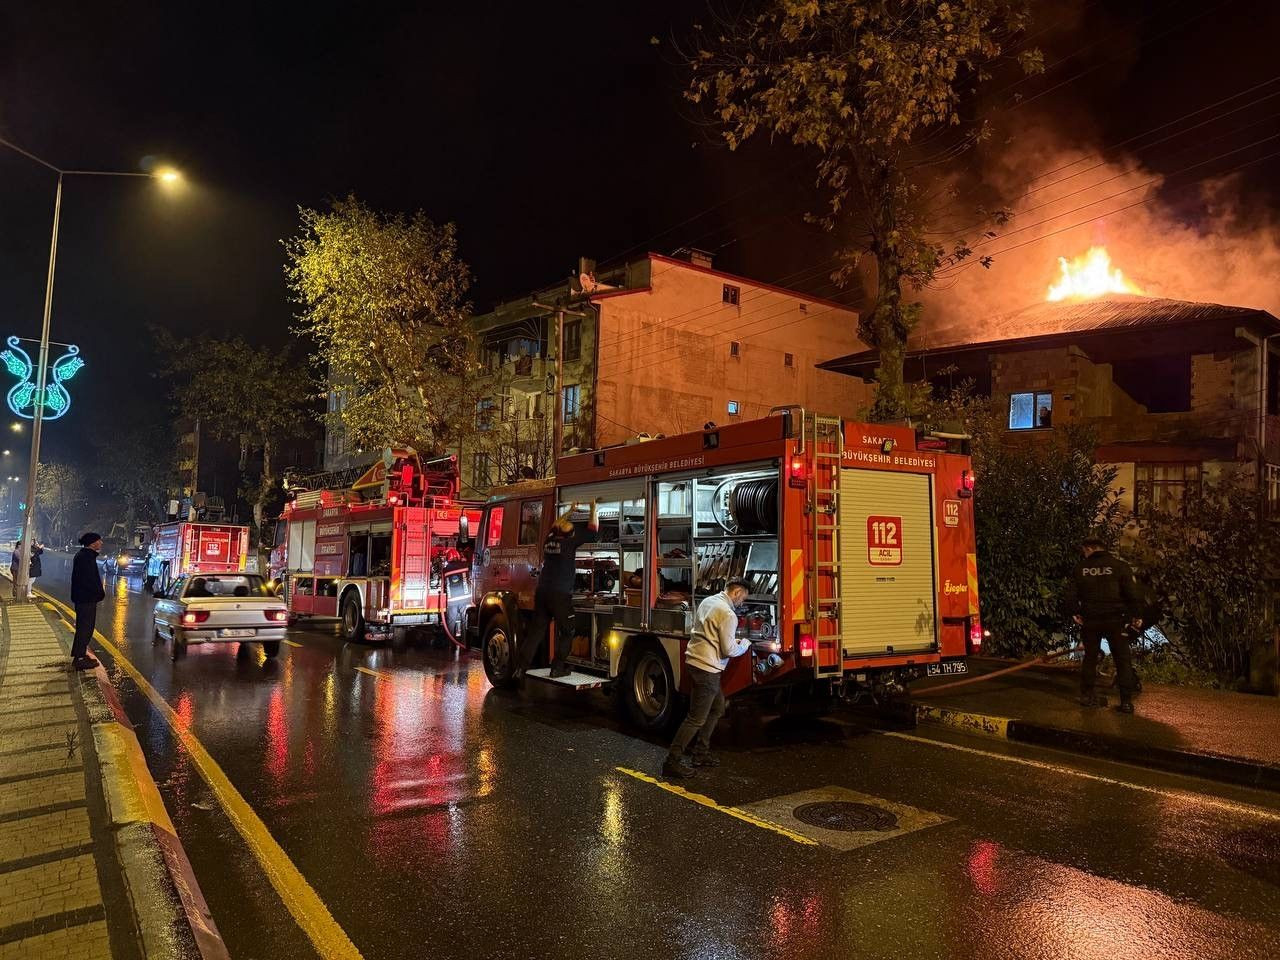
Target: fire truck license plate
<point>237,633</point>
<point>947,668</point>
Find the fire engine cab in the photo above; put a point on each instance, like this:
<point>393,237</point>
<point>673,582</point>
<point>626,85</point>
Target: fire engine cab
<point>857,542</point>
<point>388,550</point>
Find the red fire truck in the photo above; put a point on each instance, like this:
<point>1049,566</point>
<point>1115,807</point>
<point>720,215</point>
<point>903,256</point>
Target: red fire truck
<point>181,548</point>
<point>384,552</point>
<point>857,541</point>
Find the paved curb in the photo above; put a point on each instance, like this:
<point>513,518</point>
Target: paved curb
<point>1212,766</point>
<point>173,920</point>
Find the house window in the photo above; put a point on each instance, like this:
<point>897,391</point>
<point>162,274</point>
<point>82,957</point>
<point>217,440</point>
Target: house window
<point>1030,411</point>
<point>733,408</point>
<point>788,360</point>
<point>570,403</point>
<point>481,471</point>
<point>530,522</point>
<point>735,348</point>
<point>484,413</point>
<point>1164,487</point>
<point>573,340</point>
<point>730,294</point>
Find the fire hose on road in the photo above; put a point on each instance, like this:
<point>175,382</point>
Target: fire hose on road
<point>1044,658</point>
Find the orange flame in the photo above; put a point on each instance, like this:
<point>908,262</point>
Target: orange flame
<point>1090,275</point>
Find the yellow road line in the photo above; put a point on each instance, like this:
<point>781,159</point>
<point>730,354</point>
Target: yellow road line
<point>380,674</point>
<point>302,902</point>
<point>1226,806</point>
<point>293,643</point>
<point>712,805</point>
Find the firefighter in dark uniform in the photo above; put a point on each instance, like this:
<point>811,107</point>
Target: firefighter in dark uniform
<point>553,599</point>
<point>1103,599</point>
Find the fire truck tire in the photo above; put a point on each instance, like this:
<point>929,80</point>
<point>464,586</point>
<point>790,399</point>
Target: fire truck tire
<point>498,653</point>
<point>649,697</point>
<point>271,648</point>
<point>352,618</point>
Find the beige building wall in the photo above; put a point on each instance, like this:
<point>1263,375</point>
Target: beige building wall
<point>668,363</point>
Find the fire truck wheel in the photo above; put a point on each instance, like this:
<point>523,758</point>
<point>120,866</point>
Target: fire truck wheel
<point>499,654</point>
<point>648,689</point>
<point>271,648</point>
<point>352,618</point>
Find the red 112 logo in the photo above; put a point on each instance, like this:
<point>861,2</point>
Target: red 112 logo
<point>884,541</point>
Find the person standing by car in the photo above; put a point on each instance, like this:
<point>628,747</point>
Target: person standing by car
<point>1102,598</point>
<point>712,644</point>
<point>86,593</point>
<point>34,569</point>
<point>553,599</point>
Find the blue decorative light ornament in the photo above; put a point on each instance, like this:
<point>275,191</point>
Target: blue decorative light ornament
<point>22,395</point>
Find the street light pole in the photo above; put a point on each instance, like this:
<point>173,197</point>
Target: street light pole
<point>28,520</point>
<point>164,174</point>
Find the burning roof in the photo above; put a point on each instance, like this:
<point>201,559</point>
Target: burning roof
<point>1114,313</point>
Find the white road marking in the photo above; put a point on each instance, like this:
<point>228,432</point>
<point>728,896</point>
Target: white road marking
<point>1227,806</point>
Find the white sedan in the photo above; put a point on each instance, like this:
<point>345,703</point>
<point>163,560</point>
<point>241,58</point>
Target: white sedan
<point>220,608</point>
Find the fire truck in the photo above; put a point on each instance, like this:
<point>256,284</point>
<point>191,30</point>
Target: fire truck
<point>384,552</point>
<point>856,540</point>
<point>182,548</point>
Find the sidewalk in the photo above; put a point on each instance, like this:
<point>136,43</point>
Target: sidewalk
<point>84,872</point>
<point>1227,736</point>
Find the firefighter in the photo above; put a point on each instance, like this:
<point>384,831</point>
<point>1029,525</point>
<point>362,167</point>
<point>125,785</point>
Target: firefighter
<point>712,643</point>
<point>553,599</point>
<point>1103,599</point>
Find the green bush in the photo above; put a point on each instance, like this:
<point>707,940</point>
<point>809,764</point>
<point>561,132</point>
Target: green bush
<point>1208,571</point>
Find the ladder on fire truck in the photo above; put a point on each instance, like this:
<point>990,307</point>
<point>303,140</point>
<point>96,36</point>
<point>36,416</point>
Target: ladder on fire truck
<point>822,439</point>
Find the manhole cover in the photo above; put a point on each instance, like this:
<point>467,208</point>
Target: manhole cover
<point>846,815</point>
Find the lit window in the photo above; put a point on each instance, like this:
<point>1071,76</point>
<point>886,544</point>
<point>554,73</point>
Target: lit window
<point>733,408</point>
<point>484,413</point>
<point>1164,487</point>
<point>1030,411</point>
<point>730,294</point>
<point>570,403</point>
<point>573,340</point>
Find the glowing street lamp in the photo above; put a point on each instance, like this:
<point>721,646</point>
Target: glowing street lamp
<point>39,394</point>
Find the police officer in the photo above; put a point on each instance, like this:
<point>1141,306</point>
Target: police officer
<point>1103,599</point>
<point>553,599</point>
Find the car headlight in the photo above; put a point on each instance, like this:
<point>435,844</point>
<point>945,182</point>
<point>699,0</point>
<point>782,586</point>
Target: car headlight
<point>123,559</point>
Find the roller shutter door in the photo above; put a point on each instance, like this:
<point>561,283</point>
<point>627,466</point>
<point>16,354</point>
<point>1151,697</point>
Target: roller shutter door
<point>888,584</point>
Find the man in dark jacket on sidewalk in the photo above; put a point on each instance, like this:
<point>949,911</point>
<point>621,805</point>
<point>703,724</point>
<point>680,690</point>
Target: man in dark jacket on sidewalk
<point>1102,598</point>
<point>86,594</point>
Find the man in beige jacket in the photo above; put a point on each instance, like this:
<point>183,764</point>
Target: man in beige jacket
<point>712,644</point>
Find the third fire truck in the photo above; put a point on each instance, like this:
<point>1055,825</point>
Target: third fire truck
<point>856,540</point>
<point>383,553</point>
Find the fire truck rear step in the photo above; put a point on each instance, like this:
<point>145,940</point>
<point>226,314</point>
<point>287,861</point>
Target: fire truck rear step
<point>575,680</point>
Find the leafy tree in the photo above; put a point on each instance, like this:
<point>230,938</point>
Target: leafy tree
<point>1209,574</point>
<point>1035,500</point>
<point>61,500</point>
<point>878,87</point>
<point>383,298</point>
<point>136,464</point>
<point>240,393</point>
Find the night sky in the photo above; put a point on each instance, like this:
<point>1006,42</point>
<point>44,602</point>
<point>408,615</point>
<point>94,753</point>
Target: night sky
<point>545,130</point>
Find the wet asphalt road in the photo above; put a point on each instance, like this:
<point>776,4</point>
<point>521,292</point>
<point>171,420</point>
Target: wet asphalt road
<point>436,817</point>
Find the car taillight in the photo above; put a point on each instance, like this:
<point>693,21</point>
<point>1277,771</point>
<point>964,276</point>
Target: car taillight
<point>195,616</point>
<point>806,645</point>
<point>276,616</point>
<point>975,634</point>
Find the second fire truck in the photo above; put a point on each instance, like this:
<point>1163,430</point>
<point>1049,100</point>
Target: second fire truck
<point>383,553</point>
<point>857,541</point>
